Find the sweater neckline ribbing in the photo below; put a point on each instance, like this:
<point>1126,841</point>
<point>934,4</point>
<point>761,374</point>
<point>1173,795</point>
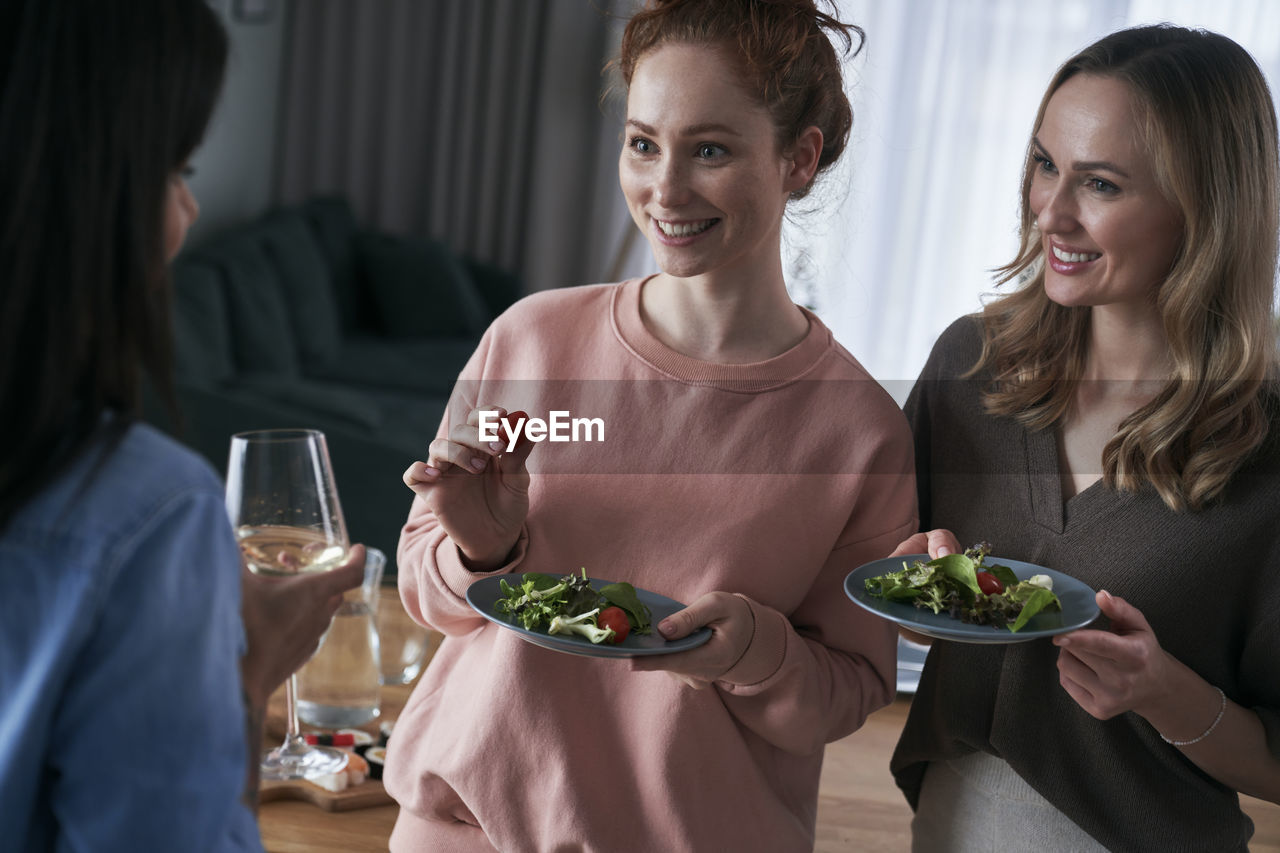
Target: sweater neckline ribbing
<point>757,376</point>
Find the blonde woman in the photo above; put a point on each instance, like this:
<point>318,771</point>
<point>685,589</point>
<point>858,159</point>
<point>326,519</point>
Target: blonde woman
<point>1114,418</point>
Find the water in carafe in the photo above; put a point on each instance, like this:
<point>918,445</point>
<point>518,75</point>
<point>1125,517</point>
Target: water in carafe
<point>339,686</point>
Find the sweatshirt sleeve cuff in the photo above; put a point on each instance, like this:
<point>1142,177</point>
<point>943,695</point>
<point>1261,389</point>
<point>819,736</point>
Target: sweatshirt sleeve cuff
<point>458,577</point>
<point>766,650</point>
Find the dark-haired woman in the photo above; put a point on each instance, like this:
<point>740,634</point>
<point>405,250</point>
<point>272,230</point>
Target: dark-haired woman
<point>1115,418</point>
<point>127,714</point>
<point>748,463</point>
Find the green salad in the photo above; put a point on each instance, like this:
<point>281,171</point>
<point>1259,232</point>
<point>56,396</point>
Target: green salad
<point>571,605</point>
<point>966,587</point>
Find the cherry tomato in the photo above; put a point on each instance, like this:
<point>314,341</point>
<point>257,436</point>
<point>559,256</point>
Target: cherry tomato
<point>989,583</point>
<point>509,422</point>
<point>615,618</point>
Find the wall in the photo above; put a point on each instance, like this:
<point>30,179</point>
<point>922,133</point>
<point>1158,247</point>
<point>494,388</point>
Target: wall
<point>234,168</point>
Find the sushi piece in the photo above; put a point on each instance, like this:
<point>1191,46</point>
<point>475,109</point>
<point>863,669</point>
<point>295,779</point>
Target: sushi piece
<point>358,737</point>
<point>335,782</point>
<point>343,738</point>
<point>355,773</point>
<point>377,759</point>
<point>357,770</point>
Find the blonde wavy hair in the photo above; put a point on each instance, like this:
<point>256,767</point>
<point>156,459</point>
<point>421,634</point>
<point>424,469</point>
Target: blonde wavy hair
<point>1208,120</point>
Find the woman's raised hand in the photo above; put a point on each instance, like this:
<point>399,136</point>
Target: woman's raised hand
<point>936,542</point>
<point>284,618</point>
<point>478,490</point>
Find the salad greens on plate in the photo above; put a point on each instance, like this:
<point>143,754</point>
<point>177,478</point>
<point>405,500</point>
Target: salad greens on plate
<point>966,587</point>
<point>514,601</point>
<point>571,605</point>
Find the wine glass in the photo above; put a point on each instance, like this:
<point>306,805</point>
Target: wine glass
<point>284,507</point>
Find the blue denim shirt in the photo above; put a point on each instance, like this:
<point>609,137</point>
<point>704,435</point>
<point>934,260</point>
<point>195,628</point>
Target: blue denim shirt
<point>121,718</point>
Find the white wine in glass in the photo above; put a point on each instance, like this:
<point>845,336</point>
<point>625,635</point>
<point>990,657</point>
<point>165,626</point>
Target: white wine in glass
<point>284,507</point>
<point>272,549</point>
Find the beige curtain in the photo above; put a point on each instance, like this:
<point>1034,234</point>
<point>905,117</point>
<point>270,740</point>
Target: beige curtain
<point>476,122</point>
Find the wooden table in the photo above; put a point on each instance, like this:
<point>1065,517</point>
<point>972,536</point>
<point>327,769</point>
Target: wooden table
<point>297,826</point>
<point>859,807</point>
<point>294,826</point>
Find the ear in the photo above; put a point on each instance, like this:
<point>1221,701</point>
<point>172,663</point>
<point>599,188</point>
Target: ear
<point>802,159</point>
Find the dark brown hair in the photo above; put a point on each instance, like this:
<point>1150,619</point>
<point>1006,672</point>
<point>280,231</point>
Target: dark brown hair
<point>99,107</point>
<point>786,55</point>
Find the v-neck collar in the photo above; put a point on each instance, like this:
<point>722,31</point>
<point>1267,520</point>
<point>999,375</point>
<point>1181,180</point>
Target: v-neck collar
<point>1044,480</point>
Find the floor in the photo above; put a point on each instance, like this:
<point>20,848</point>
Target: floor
<point>860,808</point>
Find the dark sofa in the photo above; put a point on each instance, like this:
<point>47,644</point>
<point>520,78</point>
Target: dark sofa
<point>302,318</point>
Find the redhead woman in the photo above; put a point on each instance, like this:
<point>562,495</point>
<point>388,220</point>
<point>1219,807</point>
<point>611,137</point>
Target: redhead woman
<point>747,464</point>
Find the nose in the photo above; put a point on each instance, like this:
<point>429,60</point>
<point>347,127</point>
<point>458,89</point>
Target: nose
<point>1058,211</point>
<point>671,183</point>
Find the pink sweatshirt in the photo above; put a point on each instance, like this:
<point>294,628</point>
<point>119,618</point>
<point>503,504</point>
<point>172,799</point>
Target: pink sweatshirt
<point>772,480</point>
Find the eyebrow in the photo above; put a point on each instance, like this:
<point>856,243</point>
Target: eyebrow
<point>1084,165</point>
<point>691,130</point>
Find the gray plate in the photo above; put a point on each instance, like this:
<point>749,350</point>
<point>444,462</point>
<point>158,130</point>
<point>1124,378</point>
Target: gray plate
<point>484,593</point>
<point>1078,605</point>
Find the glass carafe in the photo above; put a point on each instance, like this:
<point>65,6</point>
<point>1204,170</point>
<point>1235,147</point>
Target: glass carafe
<point>339,686</point>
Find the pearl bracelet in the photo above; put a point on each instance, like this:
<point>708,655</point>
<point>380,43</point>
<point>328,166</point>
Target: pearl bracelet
<point>1221,710</point>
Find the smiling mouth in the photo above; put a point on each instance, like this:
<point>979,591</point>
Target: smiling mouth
<point>1075,257</point>
<point>684,229</point>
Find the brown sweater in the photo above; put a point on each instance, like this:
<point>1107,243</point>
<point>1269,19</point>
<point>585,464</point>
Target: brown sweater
<point>1208,582</point>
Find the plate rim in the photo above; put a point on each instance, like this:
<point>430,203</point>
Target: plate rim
<point>967,632</point>
<point>579,646</point>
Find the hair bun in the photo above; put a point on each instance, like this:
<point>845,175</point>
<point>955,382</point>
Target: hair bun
<point>786,51</point>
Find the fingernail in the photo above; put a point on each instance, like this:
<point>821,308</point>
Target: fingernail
<point>495,446</point>
<point>432,472</point>
<point>666,627</point>
<point>477,463</point>
<point>944,551</point>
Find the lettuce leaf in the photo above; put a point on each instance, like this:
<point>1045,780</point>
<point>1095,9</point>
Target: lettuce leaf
<point>960,568</point>
<point>950,583</point>
<point>623,595</point>
<point>1039,600</point>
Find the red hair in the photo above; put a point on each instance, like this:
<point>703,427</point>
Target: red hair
<point>784,50</point>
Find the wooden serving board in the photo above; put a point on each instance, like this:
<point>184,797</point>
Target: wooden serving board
<point>362,796</point>
<point>366,794</point>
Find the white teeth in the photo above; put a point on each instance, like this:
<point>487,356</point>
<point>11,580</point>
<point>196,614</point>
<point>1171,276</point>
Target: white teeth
<point>683,229</point>
<point>1075,257</point>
